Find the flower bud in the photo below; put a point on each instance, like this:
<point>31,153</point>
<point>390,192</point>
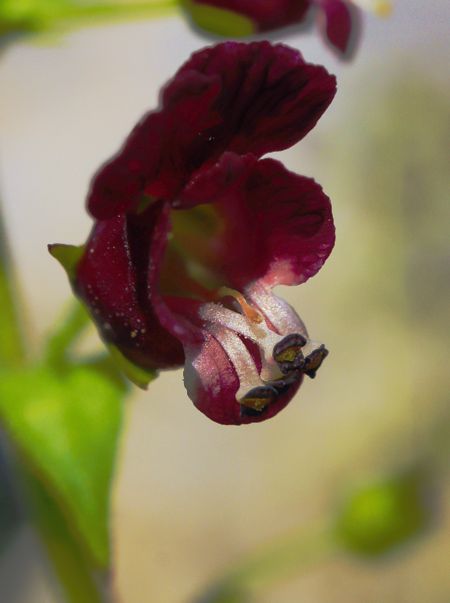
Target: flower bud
<point>381,516</point>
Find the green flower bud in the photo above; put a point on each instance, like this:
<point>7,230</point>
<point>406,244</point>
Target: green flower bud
<point>377,518</point>
<point>219,21</point>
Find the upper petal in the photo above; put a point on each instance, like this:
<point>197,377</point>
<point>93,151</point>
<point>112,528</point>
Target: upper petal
<point>247,98</point>
<point>339,23</point>
<point>270,97</point>
<point>277,226</point>
<point>161,152</point>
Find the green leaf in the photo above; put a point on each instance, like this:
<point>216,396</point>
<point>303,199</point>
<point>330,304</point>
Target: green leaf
<point>61,341</point>
<point>68,256</point>
<point>78,579</point>
<point>219,21</point>
<point>12,348</point>
<point>66,426</point>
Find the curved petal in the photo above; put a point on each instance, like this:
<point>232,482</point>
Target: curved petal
<point>247,98</point>
<point>265,15</point>
<point>109,281</point>
<point>160,153</point>
<point>277,227</point>
<point>212,384</point>
<point>338,23</point>
<point>269,99</point>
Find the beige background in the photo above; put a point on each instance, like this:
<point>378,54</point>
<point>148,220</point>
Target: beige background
<point>190,495</point>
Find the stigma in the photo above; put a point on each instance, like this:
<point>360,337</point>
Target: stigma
<point>266,343</point>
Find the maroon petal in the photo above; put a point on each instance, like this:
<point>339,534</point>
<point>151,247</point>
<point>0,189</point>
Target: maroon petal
<point>277,226</point>
<point>337,23</point>
<point>269,96</point>
<point>120,183</point>
<point>247,98</point>
<point>266,15</point>
<point>160,153</point>
<point>109,281</point>
<point>212,384</point>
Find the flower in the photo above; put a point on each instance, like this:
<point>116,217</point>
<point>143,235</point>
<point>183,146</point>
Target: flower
<point>193,230</point>
<point>338,20</point>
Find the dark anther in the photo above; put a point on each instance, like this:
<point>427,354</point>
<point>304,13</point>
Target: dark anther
<point>258,398</point>
<point>288,353</point>
<point>314,360</point>
<point>282,385</point>
<point>246,411</point>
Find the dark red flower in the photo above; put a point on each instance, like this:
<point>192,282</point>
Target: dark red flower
<point>193,231</point>
<point>338,20</point>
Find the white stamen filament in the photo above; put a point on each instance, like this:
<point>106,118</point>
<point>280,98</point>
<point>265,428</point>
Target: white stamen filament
<point>265,320</point>
<point>241,358</point>
<point>279,313</point>
<point>257,332</point>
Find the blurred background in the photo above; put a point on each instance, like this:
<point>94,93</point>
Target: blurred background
<point>192,497</point>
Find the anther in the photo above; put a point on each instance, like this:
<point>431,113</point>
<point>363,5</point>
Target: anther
<point>288,353</point>
<point>258,398</point>
<point>282,385</point>
<point>313,361</point>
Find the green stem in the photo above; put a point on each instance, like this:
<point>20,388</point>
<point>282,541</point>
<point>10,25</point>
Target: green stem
<point>90,13</point>
<point>65,336</point>
<point>12,347</point>
<point>289,555</point>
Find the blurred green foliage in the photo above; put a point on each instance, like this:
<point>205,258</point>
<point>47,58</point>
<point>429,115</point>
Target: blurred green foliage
<point>379,517</point>
<point>396,188</point>
<point>136,374</point>
<point>225,593</point>
<point>81,581</point>
<point>11,343</point>
<point>27,16</point>
<point>66,427</point>
<point>61,416</point>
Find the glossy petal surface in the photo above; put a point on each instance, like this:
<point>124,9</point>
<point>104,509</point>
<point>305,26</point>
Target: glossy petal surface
<point>277,226</point>
<point>112,281</point>
<point>247,98</point>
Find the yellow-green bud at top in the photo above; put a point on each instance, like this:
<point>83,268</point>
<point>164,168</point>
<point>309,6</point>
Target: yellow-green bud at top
<point>37,16</point>
<point>219,21</point>
<point>29,15</point>
<point>376,519</point>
